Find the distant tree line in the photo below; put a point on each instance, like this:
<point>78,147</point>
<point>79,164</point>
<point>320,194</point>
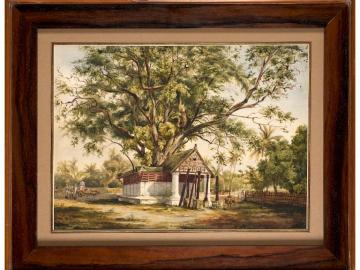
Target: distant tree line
<point>68,172</point>
<point>281,164</point>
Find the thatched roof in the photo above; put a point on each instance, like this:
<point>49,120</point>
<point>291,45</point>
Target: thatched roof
<point>169,165</point>
<point>141,168</point>
<point>176,159</point>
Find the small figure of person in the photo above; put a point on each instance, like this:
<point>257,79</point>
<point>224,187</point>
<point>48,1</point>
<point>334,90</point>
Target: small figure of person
<point>75,191</point>
<point>82,186</point>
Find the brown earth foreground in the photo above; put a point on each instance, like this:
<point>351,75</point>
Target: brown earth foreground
<point>110,214</point>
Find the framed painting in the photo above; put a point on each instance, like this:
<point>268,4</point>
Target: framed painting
<point>180,135</point>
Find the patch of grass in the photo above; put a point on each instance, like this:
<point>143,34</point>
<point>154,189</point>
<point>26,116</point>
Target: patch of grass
<point>247,215</point>
<point>112,215</point>
<point>77,218</point>
<point>170,209</point>
<point>111,201</point>
<point>131,218</point>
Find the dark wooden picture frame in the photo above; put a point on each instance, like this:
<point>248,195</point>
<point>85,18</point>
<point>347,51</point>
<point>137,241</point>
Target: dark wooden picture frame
<point>24,18</point>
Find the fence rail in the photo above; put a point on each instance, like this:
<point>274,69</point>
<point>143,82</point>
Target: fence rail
<point>279,198</point>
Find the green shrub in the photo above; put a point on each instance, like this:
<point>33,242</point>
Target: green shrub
<point>92,182</point>
<point>114,184</point>
<point>59,181</point>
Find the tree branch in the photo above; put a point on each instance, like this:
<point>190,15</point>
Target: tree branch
<point>251,91</point>
<point>122,132</point>
<point>124,152</point>
<point>122,90</point>
<point>241,104</point>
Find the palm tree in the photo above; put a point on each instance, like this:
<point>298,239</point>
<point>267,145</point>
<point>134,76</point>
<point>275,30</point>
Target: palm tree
<point>266,137</point>
<point>90,170</point>
<point>114,165</point>
<point>70,170</point>
<point>235,155</point>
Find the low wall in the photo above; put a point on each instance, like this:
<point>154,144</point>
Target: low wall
<point>148,189</point>
<point>276,198</point>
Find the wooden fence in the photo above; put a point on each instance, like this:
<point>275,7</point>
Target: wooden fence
<point>276,198</point>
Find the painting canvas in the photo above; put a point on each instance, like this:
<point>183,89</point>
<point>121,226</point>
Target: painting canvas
<point>180,137</point>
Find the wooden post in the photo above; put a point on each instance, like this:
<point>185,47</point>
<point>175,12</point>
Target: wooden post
<point>198,186</point>
<point>191,194</point>
<point>182,198</point>
<point>206,188</point>
<point>188,188</point>
<point>217,189</point>
<point>195,187</point>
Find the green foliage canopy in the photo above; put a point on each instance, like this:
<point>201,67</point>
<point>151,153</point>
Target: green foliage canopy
<point>299,161</point>
<point>283,165</point>
<point>68,172</point>
<point>152,100</point>
<point>276,169</point>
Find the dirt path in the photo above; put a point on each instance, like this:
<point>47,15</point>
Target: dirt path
<point>70,214</point>
<point>153,216</point>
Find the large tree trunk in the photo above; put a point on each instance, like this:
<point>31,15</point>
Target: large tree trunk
<point>275,188</point>
<point>159,157</point>
<point>156,160</point>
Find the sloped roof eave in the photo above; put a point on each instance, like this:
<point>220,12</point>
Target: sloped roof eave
<point>186,156</point>
<point>182,160</point>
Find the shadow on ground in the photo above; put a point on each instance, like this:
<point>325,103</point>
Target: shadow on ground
<point>109,214</point>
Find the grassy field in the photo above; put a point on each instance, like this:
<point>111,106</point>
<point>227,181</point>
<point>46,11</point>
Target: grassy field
<point>109,214</point>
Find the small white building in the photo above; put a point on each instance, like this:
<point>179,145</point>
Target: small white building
<point>150,185</point>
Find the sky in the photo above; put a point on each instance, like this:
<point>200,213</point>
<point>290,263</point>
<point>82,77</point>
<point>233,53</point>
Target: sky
<point>296,102</point>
